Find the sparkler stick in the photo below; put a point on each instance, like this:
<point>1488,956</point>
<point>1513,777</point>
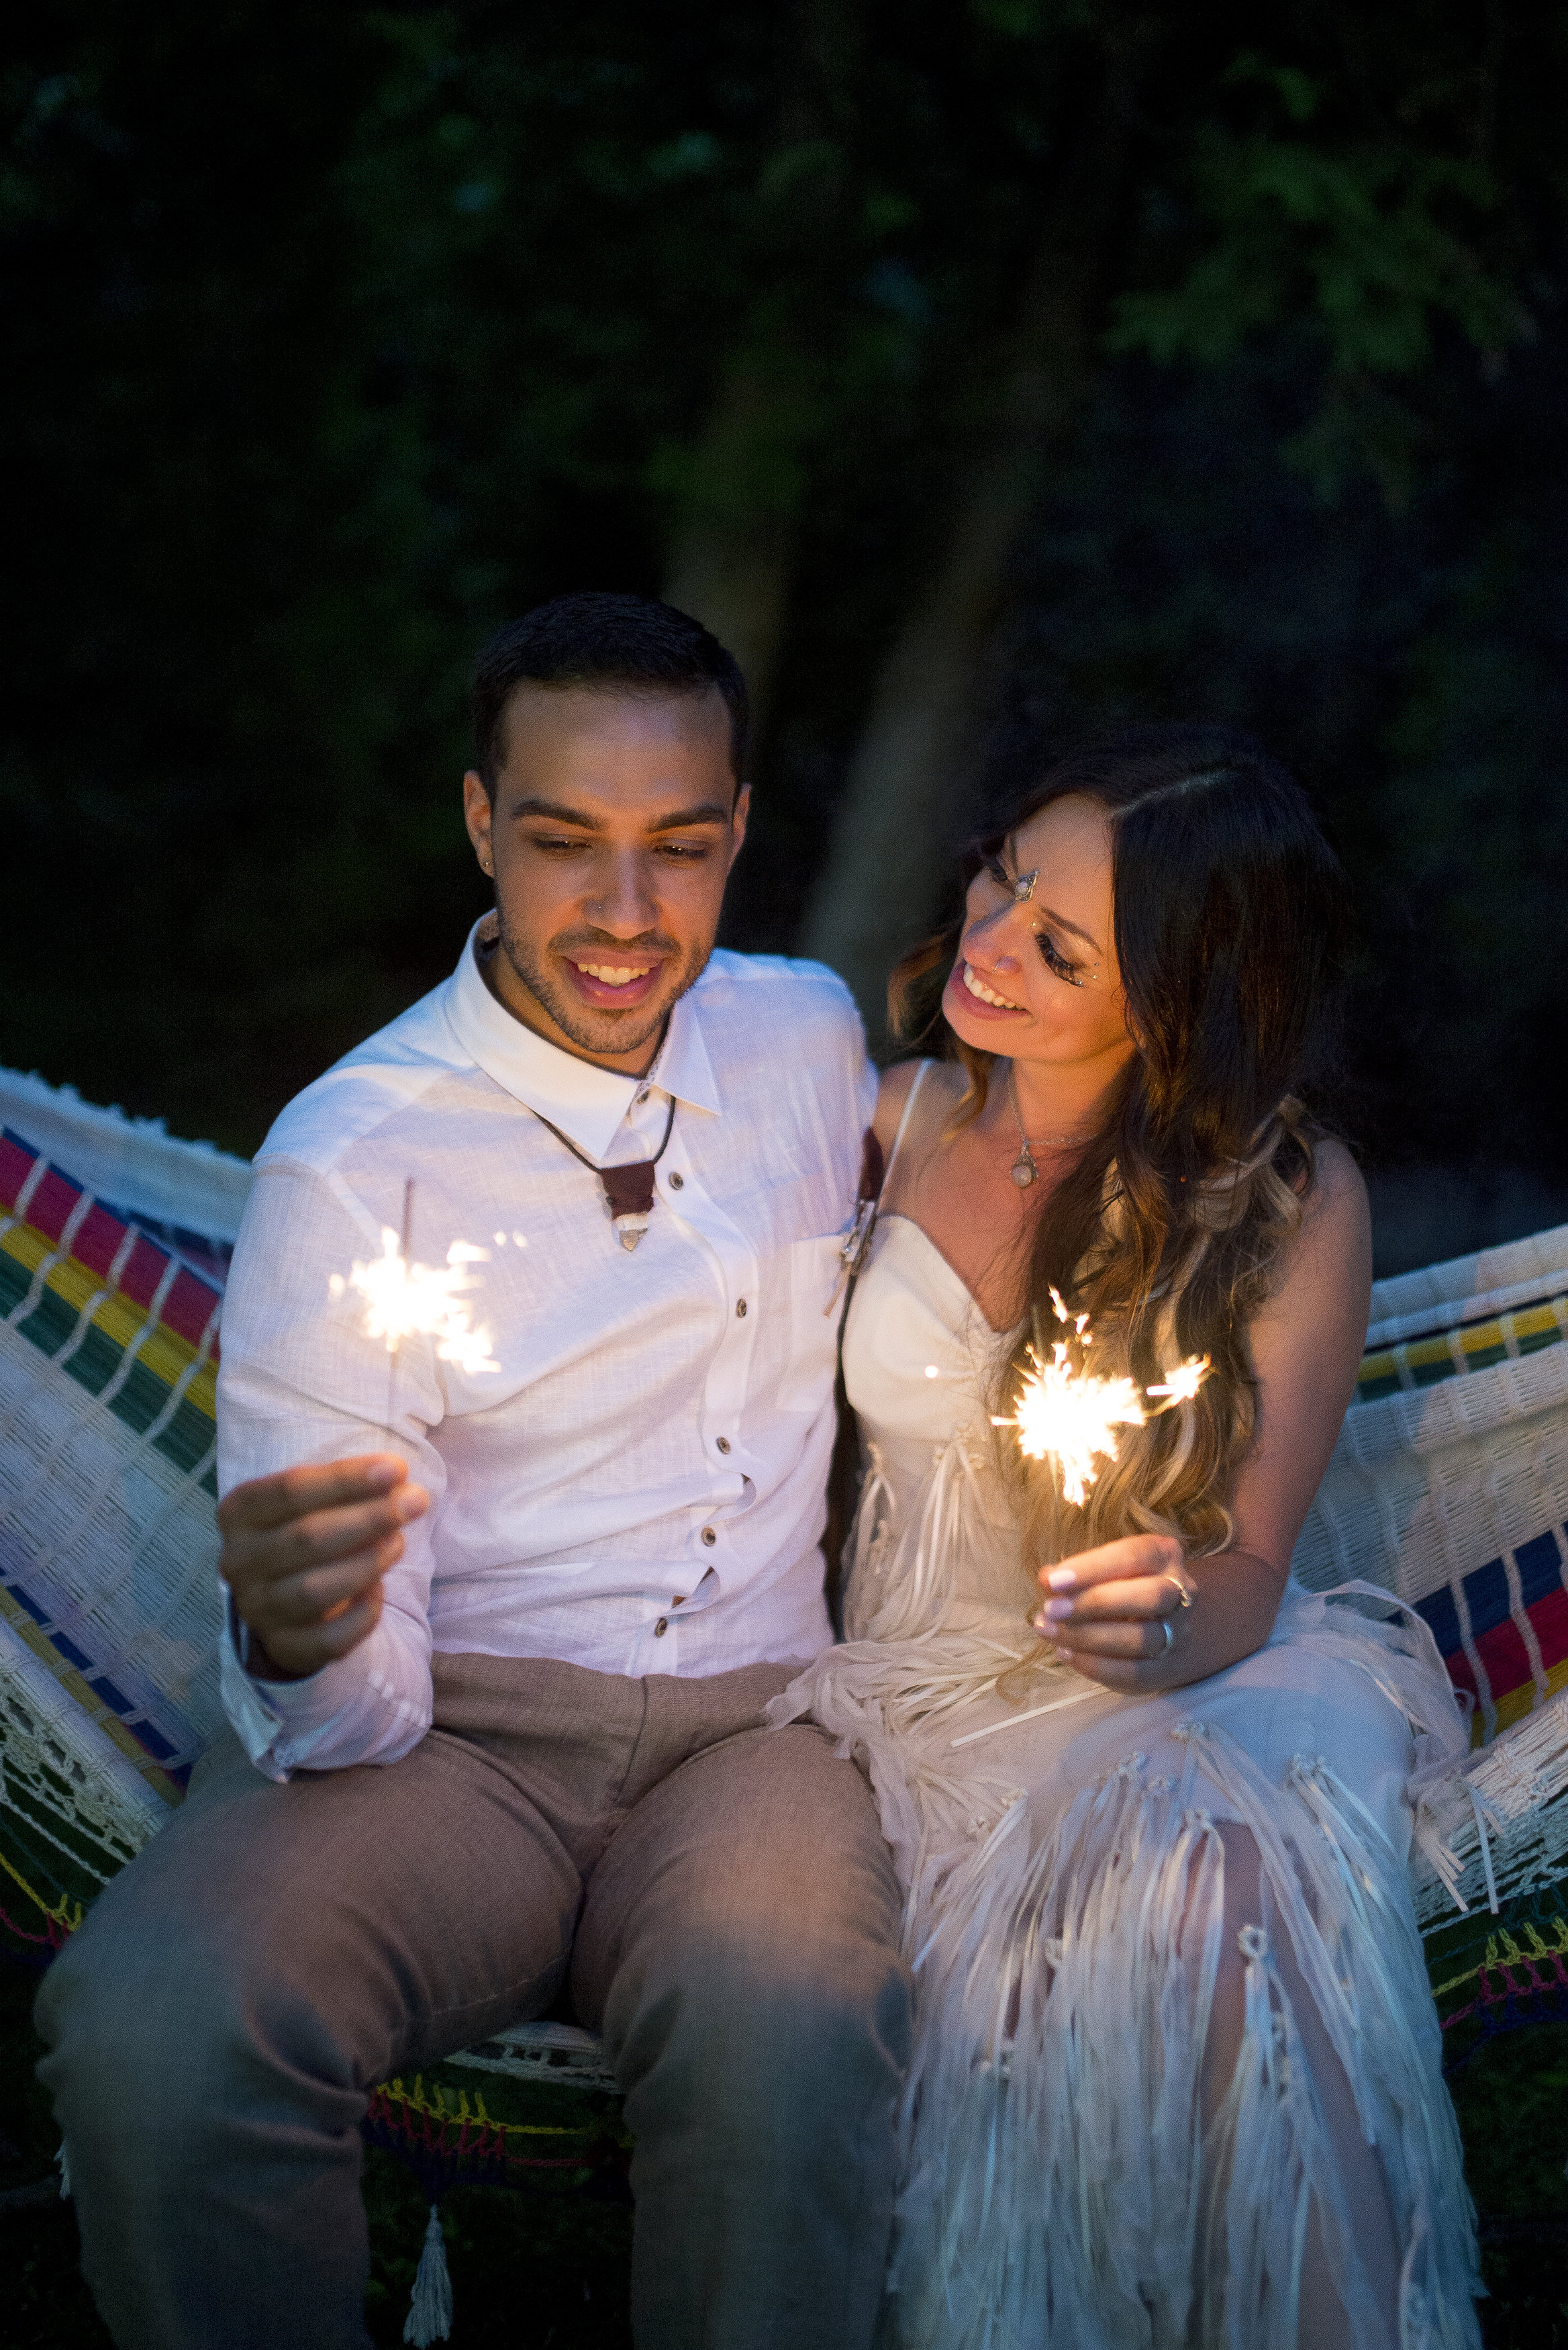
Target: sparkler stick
<point>404,1300</point>
<point>405,1243</point>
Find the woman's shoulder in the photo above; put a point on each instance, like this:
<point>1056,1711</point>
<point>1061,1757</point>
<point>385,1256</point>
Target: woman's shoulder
<point>1337,1193</point>
<point>1330,1253</point>
<point>937,1081</point>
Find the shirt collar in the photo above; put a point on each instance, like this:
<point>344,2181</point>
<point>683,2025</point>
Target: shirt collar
<point>586,1102</point>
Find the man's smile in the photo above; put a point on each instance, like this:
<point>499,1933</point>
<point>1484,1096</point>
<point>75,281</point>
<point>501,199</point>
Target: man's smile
<point>614,985</point>
<point>621,975</point>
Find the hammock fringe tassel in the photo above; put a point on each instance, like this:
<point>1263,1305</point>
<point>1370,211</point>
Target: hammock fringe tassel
<point>429,2311</point>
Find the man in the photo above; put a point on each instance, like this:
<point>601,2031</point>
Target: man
<point>499,1683</point>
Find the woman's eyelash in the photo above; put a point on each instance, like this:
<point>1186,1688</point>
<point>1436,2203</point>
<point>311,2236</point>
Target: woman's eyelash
<point>1056,961</point>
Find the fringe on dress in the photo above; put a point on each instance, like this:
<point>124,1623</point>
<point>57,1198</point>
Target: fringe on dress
<point>1062,2188</point>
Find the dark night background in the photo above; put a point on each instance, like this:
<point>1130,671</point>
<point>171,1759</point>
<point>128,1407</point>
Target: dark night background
<point>984,372</point>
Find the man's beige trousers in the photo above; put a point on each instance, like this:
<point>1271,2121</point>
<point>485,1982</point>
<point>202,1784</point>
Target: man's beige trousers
<point>717,1896</point>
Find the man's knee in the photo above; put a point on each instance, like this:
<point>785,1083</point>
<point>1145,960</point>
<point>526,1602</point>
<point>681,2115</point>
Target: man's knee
<point>126,2053</point>
<point>157,2021</point>
<point>765,2009</point>
<point>832,2010</point>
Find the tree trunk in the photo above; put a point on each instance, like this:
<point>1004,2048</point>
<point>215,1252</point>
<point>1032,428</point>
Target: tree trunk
<point>729,563</point>
<point>731,551</point>
<point>883,879</point>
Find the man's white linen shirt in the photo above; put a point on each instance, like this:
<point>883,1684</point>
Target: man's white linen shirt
<point>639,1485</point>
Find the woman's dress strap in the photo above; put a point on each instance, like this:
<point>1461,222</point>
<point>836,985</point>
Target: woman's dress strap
<point>903,1122</point>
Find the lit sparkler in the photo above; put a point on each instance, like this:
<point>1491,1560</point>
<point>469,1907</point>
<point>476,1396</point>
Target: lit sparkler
<point>1072,1416</point>
<point>404,1300</point>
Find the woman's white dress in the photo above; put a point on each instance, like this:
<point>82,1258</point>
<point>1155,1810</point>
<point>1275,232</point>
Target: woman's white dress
<point>1071,2180</point>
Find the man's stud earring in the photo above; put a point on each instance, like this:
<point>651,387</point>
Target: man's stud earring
<point>1023,887</point>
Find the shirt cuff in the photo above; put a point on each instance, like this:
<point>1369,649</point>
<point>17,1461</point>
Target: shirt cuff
<point>256,1721</point>
<point>339,1716</point>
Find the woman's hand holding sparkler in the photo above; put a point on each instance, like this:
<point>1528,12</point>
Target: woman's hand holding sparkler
<point>1107,1611</point>
<point>1136,1614</point>
<point>1124,1613</point>
<point>1120,1614</point>
<point>304,1554</point>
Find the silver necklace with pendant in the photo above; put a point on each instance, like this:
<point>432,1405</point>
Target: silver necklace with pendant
<point>1023,1171</point>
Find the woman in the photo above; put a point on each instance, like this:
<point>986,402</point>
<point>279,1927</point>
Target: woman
<point>1176,2077</point>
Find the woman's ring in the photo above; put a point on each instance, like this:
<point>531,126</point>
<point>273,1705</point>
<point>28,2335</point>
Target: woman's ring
<point>1170,1634</point>
<point>1183,1590</point>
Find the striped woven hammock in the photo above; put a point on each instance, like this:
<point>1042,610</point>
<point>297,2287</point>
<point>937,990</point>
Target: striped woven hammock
<point>1448,1488</point>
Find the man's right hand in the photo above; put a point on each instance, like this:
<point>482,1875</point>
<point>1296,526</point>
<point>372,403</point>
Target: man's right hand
<point>304,1554</point>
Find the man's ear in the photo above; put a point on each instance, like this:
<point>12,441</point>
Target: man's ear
<point>743,808</point>
<point>476,815</point>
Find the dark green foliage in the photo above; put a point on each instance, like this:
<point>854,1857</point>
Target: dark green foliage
<point>335,336</point>
<point>1513,2109</point>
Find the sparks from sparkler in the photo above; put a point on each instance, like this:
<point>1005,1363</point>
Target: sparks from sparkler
<point>406,1300</point>
<point>1071,1415</point>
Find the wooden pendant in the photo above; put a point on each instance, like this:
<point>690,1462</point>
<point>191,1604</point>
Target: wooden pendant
<point>629,1196</point>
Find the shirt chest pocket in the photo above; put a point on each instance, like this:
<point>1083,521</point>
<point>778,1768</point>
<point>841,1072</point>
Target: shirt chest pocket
<point>805,1383</point>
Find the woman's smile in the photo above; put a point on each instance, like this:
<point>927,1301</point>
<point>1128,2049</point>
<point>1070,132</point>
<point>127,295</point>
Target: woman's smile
<point>983,993</point>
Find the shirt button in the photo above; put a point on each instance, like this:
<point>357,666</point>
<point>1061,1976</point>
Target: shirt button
<point>723,1443</point>
<point>676,1182</point>
<point>709,1536</point>
<point>740,1309</point>
<point>661,1628</point>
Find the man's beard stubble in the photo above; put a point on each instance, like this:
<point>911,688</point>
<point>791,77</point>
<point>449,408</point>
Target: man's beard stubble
<point>613,1032</point>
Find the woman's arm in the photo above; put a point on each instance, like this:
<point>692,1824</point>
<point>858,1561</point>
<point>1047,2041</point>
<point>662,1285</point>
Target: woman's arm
<point>1105,1610</point>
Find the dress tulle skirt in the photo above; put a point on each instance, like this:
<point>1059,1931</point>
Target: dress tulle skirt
<point>1078,2174</point>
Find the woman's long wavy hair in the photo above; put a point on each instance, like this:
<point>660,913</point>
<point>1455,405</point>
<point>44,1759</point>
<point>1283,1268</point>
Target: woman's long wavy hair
<point>1230,923</point>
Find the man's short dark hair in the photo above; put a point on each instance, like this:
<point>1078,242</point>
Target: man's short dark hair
<point>608,643</point>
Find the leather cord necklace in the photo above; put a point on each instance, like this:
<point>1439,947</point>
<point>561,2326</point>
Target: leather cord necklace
<point>628,1187</point>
